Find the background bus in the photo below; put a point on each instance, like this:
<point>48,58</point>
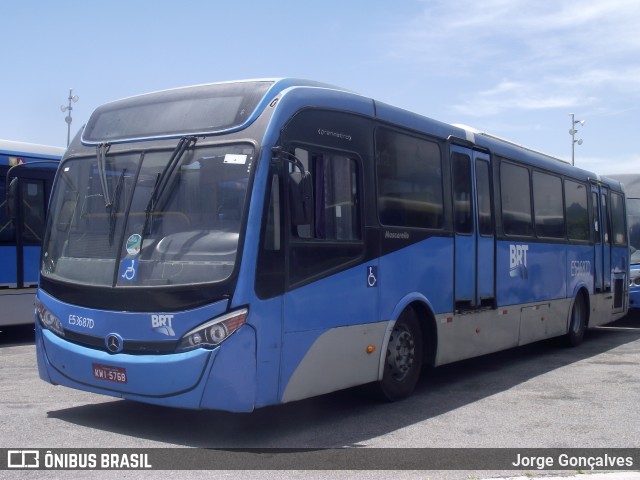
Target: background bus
<point>21,237</point>
<point>631,184</point>
<point>236,245</point>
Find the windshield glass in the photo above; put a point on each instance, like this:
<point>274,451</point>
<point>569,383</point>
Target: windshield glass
<point>633,217</point>
<point>188,234</point>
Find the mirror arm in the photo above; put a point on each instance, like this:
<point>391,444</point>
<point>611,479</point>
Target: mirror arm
<point>284,156</point>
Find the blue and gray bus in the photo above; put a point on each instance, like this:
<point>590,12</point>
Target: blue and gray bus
<point>32,168</point>
<point>631,183</point>
<point>236,245</point>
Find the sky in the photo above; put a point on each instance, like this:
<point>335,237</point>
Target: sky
<point>514,68</point>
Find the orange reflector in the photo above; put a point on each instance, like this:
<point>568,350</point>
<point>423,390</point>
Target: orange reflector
<point>371,348</point>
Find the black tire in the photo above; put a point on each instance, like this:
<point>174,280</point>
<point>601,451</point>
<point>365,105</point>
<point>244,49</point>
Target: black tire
<point>403,361</point>
<point>577,323</point>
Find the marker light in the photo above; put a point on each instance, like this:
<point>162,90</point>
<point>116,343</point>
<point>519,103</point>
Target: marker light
<point>214,332</point>
<point>48,320</point>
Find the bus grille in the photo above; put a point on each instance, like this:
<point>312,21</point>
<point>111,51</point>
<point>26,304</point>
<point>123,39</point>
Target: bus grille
<point>135,347</point>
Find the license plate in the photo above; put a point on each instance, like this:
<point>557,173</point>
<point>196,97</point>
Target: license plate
<point>109,373</point>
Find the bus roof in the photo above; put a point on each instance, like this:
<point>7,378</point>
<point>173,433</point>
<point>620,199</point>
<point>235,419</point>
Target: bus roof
<point>225,107</point>
<point>221,107</point>
<point>9,147</point>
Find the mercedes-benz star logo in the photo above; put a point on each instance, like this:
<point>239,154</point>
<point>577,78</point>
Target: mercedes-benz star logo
<point>114,343</point>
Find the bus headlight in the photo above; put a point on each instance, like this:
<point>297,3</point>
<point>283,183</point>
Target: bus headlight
<point>48,320</point>
<point>214,332</point>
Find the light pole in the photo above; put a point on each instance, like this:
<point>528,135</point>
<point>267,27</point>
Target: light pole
<point>573,132</point>
<point>68,119</point>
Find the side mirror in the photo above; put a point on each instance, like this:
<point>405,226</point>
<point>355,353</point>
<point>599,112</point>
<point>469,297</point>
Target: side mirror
<point>301,197</point>
<point>12,199</point>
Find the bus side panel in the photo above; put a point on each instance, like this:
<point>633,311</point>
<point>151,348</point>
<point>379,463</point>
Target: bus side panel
<point>296,347</point>
<point>31,265</point>
<point>328,326</point>
<point>620,281</point>
<point>530,272</point>
<point>476,333</point>
<point>613,304</point>
<point>425,267</point>
<point>9,270</point>
<point>338,358</point>
<point>231,384</point>
<point>580,269</point>
<point>16,306</point>
<point>581,274</point>
<point>266,317</point>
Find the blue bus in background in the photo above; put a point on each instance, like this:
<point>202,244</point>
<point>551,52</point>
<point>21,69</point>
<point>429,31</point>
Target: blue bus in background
<point>22,229</point>
<point>242,244</point>
<point>631,183</point>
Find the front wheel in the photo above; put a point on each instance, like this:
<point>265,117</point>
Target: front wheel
<point>403,361</point>
<point>577,323</point>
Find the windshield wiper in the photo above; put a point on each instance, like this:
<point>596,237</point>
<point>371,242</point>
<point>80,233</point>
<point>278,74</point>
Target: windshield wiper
<point>164,177</point>
<point>101,154</point>
<point>113,208</point>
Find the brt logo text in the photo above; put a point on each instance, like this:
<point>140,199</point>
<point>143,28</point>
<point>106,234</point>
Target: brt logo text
<point>162,324</point>
<point>518,261</point>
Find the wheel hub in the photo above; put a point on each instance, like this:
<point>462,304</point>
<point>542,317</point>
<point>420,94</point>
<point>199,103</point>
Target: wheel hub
<point>400,353</point>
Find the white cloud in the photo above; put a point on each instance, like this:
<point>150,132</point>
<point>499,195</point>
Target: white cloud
<point>607,166</point>
<point>522,55</point>
<point>510,95</point>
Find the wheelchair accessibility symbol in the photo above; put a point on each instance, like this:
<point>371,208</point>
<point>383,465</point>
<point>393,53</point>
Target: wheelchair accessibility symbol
<point>372,276</point>
<point>128,269</point>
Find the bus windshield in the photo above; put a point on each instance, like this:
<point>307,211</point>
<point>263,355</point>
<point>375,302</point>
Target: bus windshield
<point>633,217</point>
<point>106,230</point>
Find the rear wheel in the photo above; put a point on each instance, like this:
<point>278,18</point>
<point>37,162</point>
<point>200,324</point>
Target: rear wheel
<point>577,322</point>
<point>403,361</point>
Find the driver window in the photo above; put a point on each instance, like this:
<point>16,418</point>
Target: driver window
<point>336,197</point>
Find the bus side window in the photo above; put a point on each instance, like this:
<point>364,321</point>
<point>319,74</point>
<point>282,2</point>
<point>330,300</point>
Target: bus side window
<point>485,214</point>
<point>462,211</point>
<point>515,192</point>
<point>605,219</point>
<point>409,174</point>
<point>333,239</point>
<point>618,227</point>
<point>596,216</point>
<point>547,205</point>
<point>575,198</point>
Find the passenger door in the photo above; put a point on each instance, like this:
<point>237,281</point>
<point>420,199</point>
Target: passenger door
<point>602,232</point>
<point>21,237</point>
<point>473,226</point>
